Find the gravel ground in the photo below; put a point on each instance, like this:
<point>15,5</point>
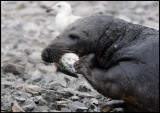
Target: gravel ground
<point>29,84</point>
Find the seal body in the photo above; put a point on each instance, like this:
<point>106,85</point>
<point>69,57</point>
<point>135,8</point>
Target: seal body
<point>119,59</point>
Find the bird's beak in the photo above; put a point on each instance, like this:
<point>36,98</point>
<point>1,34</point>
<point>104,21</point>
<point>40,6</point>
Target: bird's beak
<point>49,10</point>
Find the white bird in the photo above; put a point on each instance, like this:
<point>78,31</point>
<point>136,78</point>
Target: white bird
<point>64,15</point>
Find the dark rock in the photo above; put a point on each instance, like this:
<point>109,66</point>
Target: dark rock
<point>18,93</point>
<point>13,68</point>
<point>18,98</point>
<point>81,109</point>
<point>83,88</point>
<point>10,77</point>
<point>7,84</point>
<point>39,101</point>
<point>17,60</point>
<point>65,110</point>
<point>41,109</point>
<point>67,80</point>
<point>28,51</point>
<point>61,104</point>
<point>74,98</point>
<point>6,91</point>
<point>26,77</point>
<point>52,96</point>
<point>28,105</point>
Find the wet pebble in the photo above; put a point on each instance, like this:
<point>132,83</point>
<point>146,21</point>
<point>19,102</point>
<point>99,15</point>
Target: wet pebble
<point>13,68</point>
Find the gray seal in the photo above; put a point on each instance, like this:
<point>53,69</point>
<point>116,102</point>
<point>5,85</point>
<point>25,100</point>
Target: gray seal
<point>119,59</point>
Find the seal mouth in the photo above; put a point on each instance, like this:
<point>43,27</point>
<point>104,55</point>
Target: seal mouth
<point>56,63</point>
<point>54,53</point>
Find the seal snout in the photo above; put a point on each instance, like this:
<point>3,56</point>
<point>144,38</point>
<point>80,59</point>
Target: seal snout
<point>53,53</point>
<point>45,55</point>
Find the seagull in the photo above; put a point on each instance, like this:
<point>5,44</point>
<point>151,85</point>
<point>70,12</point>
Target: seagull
<point>64,15</point>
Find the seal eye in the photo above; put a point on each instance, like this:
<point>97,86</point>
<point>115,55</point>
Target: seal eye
<point>73,36</point>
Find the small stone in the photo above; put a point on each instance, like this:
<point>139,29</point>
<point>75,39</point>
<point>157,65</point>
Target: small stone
<point>47,69</point>
<point>28,51</point>
<point>81,109</point>
<point>7,84</point>
<point>62,104</point>
<point>36,56</point>
<point>17,108</point>
<point>22,99</point>
<point>10,77</point>
<point>6,91</point>
<point>65,110</point>
<point>29,105</point>
<point>29,67</point>
<point>33,89</point>
<point>13,68</point>
<point>6,104</point>
<point>36,76</point>
<point>39,101</point>
<point>48,78</point>
<point>139,10</point>
<point>75,98</point>
<point>55,86</point>
<point>94,101</point>
<point>41,109</point>
<point>76,105</point>
<point>83,88</point>
<point>52,96</point>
